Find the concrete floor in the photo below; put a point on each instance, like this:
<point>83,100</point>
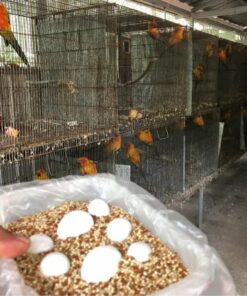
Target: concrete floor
<point>225,219</point>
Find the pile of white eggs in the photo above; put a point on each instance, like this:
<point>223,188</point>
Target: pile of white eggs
<point>105,258</point>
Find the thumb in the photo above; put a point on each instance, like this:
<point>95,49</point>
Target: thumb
<point>12,245</point>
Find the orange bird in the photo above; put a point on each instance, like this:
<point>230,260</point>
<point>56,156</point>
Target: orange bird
<point>41,175</point>
<point>87,167</point>
<point>210,49</point>
<point>146,137</point>
<point>177,35</point>
<point>199,120</point>
<point>115,145</point>
<point>153,30</point>
<point>7,34</point>
<point>198,72</point>
<point>133,154</point>
<point>222,55</point>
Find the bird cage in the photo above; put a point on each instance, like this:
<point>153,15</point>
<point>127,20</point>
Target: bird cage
<point>231,94</point>
<point>161,164</point>
<point>154,70</point>
<point>202,149</point>
<point>153,87</point>
<point>205,72</point>
<point>58,85</point>
<point>232,73</point>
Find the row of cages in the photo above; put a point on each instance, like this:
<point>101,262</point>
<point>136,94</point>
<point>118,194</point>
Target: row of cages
<point>175,158</point>
<point>77,73</point>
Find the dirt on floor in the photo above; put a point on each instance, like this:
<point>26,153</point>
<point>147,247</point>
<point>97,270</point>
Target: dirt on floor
<point>225,219</point>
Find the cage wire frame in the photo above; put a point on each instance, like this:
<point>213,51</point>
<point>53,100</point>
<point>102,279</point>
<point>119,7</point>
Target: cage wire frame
<point>146,66</point>
<point>132,70</point>
<point>67,97</point>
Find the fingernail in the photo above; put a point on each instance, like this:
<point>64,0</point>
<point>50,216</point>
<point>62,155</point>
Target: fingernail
<point>23,239</point>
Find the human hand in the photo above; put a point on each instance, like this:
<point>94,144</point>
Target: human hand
<point>12,245</point>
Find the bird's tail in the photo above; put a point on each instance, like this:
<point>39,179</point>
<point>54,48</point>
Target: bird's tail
<point>10,39</point>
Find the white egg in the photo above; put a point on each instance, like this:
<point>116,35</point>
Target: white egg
<point>74,224</point>
<point>54,264</point>
<point>98,208</point>
<point>118,229</point>
<point>40,243</point>
<point>140,251</point>
<point>100,264</point>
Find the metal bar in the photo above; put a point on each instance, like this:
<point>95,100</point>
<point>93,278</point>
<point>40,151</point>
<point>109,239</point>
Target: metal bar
<point>33,168</point>
<point>1,177</point>
<point>184,163</point>
<point>40,16</point>
<point>186,12</point>
<point>220,12</point>
<point>242,134</point>
<point>189,84</point>
<point>11,97</point>
<point>200,206</point>
<point>17,171</point>
<point>207,4</point>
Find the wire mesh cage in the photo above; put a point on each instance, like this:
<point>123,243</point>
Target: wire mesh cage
<point>67,89</point>
<point>232,73</point>
<point>205,72</point>
<point>160,170</point>
<point>56,164</point>
<point>154,70</point>
<point>202,149</point>
<point>90,83</point>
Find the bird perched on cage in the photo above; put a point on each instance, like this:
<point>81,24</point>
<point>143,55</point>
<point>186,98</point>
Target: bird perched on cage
<point>199,120</point>
<point>134,114</point>
<point>153,30</point>
<point>133,154</point>
<point>145,136</point>
<point>177,35</point>
<point>68,86</point>
<point>198,74</point>
<point>87,167</point>
<point>41,174</point>
<point>222,54</point>
<point>210,48</point>
<point>7,34</point>
<point>11,132</point>
<point>114,145</point>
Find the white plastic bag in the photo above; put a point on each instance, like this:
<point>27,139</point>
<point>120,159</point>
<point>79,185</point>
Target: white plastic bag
<point>209,276</point>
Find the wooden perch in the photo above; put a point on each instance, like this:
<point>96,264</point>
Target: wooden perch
<point>142,75</point>
<point>69,86</point>
<point>154,60</point>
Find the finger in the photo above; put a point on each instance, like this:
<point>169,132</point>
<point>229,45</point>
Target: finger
<point>12,245</point>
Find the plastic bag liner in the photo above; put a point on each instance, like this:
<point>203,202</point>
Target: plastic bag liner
<point>208,274</point>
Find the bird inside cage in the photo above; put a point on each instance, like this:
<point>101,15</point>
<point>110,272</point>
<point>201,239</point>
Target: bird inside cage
<point>8,35</point>
<point>87,166</point>
<point>41,174</point>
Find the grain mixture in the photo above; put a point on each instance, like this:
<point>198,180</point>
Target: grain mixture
<point>163,268</point>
